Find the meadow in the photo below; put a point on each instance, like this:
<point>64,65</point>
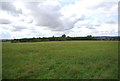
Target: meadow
<point>60,60</point>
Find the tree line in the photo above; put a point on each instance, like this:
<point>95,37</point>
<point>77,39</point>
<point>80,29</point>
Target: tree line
<point>63,38</point>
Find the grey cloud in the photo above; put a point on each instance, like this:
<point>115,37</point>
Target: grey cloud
<point>9,7</point>
<point>90,27</point>
<point>111,22</point>
<point>5,21</point>
<point>104,5</point>
<point>18,28</point>
<point>97,25</point>
<point>30,21</point>
<point>49,16</point>
<point>92,24</point>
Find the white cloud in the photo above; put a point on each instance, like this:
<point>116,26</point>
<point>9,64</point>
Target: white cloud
<point>21,19</point>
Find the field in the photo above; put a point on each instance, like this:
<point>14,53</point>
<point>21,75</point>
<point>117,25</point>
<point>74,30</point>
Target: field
<point>60,60</point>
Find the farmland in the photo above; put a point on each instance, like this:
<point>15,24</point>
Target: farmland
<point>60,60</point>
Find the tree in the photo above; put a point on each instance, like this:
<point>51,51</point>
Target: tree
<point>89,36</point>
<point>63,35</point>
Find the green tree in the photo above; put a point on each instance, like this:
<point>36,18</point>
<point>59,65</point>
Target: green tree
<point>64,35</point>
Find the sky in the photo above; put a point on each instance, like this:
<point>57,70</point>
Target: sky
<point>47,18</point>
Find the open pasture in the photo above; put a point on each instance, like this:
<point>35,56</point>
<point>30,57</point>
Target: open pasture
<point>60,60</point>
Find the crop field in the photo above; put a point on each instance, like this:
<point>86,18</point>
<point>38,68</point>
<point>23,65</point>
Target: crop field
<point>60,60</point>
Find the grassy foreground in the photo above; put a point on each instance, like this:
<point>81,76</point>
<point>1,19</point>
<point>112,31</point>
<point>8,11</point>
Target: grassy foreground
<point>61,60</point>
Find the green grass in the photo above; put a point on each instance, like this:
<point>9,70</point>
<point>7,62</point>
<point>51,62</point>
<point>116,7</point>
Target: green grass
<point>61,60</point>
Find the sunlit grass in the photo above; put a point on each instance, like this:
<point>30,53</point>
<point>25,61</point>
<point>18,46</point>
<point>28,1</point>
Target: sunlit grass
<point>61,60</point>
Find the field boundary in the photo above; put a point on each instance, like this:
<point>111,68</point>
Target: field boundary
<point>0,60</point>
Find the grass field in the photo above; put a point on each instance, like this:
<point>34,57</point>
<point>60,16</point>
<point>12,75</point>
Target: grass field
<point>61,60</point>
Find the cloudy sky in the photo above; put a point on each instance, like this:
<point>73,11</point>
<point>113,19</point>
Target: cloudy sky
<point>45,18</point>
